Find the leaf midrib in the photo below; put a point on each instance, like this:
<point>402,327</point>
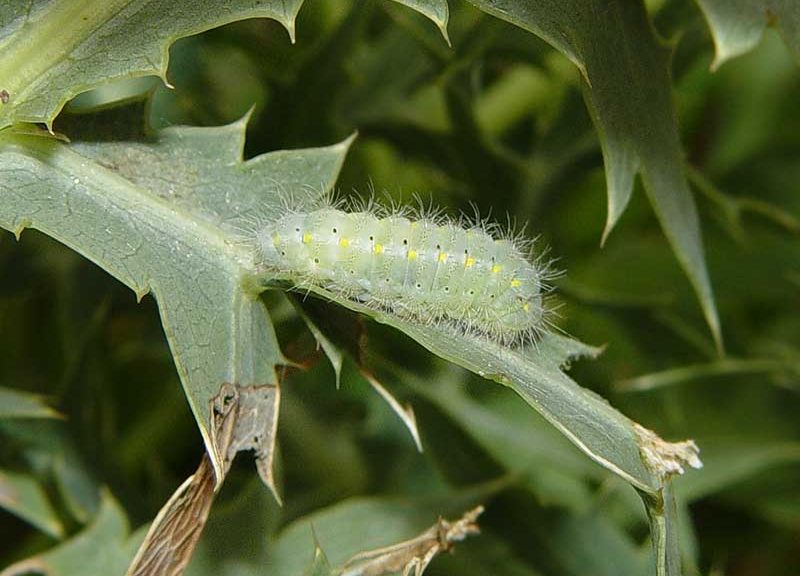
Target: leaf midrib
<point>123,193</point>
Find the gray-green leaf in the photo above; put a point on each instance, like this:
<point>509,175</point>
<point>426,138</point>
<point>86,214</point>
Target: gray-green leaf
<point>628,91</point>
<point>24,496</point>
<point>168,216</point>
<point>737,25</point>
<point>51,50</point>
<point>102,549</point>
<point>536,374</point>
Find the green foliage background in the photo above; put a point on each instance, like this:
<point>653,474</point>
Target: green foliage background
<point>498,119</point>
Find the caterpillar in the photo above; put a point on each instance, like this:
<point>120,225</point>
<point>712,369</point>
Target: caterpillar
<point>416,264</point>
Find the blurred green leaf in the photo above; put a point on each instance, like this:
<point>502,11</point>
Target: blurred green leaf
<point>48,448</point>
<point>552,467</point>
<point>486,554</point>
<point>319,565</point>
<point>20,404</point>
<point>737,25</point>
<point>23,495</point>
<point>102,549</point>
<point>604,549</point>
<point>166,215</point>
<point>625,68</point>
<point>53,50</point>
<point>724,367</point>
<point>727,462</point>
<point>536,374</point>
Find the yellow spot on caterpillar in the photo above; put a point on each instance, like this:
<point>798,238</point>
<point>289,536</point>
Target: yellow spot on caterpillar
<point>378,249</point>
<point>344,242</point>
<point>516,283</point>
<point>276,239</point>
<point>307,238</point>
<point>412,254</point>
<point>469,262</point>
<point>526,306</point>
<point>496,268</point>
<point>442,256</point>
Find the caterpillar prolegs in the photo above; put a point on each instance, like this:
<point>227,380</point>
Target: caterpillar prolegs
<point>425,268</point>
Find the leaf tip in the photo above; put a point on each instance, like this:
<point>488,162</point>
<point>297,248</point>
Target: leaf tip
<point>709,307</point>
<point>289,22</point>
<point>610,222</point>
<point>446,36</point>
<point>141,293</point>
<point>264,468</point>
<point>162,73</point>
<point>442,25</point>
<point>17,232</point>
<point>347,142</point>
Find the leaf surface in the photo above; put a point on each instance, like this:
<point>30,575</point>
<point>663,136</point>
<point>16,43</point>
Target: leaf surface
<point>737,25</point>
<point>168,215</point>
<point>24,497</point>
<point>625,69</point>
<point>51,50</point>
<point>102,549</point>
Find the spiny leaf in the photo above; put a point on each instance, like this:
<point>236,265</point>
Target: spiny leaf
<point>168,215</point>
<point>608,437</point>
<point>102,549</point>
<point>51,50</point>
<point>628,91</point>
<point>536,374</point>
<point>737,25</point>
<point>50,449</point>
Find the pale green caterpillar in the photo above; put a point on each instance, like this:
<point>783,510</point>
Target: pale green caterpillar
<point>421,267</point>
